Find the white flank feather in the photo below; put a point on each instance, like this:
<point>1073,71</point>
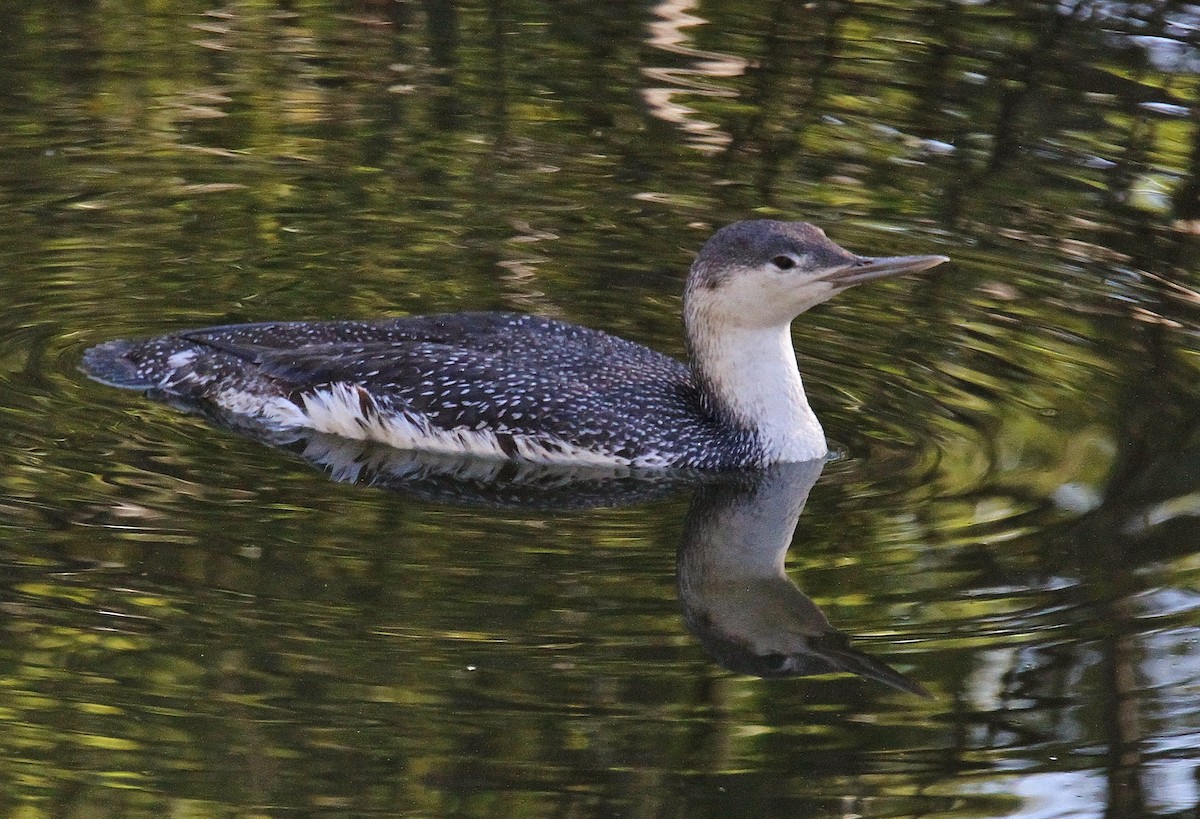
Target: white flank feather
<point>338,410</point>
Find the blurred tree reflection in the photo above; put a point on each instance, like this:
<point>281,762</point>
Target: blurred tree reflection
<point>194,625</point>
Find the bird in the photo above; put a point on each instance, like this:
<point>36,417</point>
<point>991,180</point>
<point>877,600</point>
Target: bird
<point>529,388</point>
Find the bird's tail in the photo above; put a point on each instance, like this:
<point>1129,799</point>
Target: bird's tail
<point>110,363</point>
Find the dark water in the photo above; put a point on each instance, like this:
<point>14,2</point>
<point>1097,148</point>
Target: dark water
<point>196,623</point>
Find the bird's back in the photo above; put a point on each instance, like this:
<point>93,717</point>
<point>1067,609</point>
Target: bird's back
<point>492,384</point>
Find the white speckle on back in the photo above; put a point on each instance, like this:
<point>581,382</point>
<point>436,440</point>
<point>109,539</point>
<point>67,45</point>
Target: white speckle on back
<point>181,359</point>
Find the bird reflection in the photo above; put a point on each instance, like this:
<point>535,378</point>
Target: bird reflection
<point>738,600</point>
<point>736,597</point>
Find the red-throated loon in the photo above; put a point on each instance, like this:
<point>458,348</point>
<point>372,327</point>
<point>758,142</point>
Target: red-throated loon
<point>514,386</point>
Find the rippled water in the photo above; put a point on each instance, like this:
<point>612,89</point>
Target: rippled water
<point>199,623</point>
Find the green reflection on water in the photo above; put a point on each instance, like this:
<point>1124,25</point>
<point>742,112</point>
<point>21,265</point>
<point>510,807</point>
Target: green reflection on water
<point>198,624</point>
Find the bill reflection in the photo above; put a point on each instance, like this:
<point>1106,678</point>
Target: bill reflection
<point>736,596</point>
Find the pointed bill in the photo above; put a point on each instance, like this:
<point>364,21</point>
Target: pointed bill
<point>867,268</point>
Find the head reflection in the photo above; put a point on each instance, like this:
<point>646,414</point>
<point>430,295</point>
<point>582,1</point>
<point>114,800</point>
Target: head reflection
<point>738,600</point>
<point>736,597</point>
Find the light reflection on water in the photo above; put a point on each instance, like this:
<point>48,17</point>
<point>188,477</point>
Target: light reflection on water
<point>195,621</point>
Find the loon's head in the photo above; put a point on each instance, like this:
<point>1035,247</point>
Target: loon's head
<point>764,273</point>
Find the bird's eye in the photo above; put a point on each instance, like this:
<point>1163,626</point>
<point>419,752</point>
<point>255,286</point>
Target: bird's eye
<point>784,262</point>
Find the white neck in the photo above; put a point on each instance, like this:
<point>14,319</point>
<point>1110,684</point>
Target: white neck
<point>751,374</point>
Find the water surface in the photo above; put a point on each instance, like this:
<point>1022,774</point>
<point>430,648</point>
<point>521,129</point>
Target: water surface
<point>198,623</point>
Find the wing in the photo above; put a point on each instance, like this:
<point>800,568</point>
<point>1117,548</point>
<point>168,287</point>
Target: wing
<point>534,388</point>
<point>563,382</point>
<point>483,331</point>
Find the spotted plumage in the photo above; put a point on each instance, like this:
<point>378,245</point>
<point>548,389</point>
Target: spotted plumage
<point>521,387</point>
<point>503,385</point>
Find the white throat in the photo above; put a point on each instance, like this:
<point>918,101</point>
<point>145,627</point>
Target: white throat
<point>751,373</point>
